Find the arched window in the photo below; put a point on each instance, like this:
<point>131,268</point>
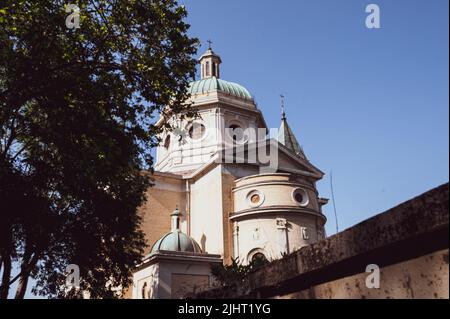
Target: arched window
<point>167,142</point>
<point>214,69</point>
<point>259,257</point>
<point>144,291</point>
<point>207,68</point>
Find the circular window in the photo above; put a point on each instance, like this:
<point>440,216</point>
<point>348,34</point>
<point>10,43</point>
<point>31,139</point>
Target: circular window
<point>300,197</point>
<point>197,131</point>
<point>255,198</point>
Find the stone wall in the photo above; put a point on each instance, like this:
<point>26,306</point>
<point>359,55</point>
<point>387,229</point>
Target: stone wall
<point>409,243</point>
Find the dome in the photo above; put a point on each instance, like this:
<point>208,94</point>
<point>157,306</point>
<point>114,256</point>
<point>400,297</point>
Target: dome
<point>213,84</point>
<point>176,241</point>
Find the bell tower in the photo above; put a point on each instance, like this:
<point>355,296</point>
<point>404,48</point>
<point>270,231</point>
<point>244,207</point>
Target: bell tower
<point>210,64</point>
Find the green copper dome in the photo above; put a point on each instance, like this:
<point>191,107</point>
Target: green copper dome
<point>176,241</point>
<point>213,84</point>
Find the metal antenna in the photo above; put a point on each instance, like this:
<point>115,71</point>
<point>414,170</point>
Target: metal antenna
<point>283,111</point>
<point>334,203</point>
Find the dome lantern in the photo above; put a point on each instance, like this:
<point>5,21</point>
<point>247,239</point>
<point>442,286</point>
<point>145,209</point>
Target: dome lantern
<point>210,64</point>
<point>175,220</point>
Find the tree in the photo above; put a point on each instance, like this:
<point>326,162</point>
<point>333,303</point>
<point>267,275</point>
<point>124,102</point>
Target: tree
<point>235,273</point>
<point>77,123</point>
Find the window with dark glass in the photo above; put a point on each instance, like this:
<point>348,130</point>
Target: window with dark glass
<point>167,142</point>
<point>299,197</point>
<point>207,68</point>
<point>259,257</point>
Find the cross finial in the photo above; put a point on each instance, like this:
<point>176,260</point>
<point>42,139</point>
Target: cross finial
<point>209,44</point>
<point>283,111</point>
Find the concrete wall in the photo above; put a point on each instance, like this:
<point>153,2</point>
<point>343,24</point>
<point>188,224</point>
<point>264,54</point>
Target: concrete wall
<point>409,243</point>
<point>423,277</point>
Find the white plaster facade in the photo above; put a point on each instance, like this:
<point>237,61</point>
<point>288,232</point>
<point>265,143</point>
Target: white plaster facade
<point>169,275</point>
<point>277,223</point>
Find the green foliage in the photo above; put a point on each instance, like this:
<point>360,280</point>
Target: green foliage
<point>236,272</point>
<point>77,123</point>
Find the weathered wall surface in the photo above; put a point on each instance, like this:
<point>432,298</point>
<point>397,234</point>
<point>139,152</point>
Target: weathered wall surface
<point>423,277</point>
<point>409,243</point>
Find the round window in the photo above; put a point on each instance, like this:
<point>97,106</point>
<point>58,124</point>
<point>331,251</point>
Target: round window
<point>300,197</point>
<point>255,198</point>
<point>197,131</point>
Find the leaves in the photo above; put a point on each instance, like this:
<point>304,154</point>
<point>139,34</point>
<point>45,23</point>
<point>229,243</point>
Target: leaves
<point>77,127</point>
<point>235,273</point>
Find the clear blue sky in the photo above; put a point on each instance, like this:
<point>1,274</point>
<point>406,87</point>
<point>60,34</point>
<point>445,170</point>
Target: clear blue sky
<point>370,105</point>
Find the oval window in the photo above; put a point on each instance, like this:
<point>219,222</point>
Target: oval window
<point>300,196</point>
<point>197,131</point>
<point>255,198</point>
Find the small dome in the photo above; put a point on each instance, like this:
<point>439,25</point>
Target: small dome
<point>176,241</point>
<point>213,84</point>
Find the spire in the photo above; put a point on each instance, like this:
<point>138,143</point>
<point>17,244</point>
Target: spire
<point>285,135</point>
<point>210,63</point>
<point>176,220</point>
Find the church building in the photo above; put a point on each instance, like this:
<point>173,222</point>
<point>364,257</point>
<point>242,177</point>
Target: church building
<point>206,207</point>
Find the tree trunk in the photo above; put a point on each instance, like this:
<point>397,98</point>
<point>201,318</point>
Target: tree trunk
<point>25,267</point>
<point>22,287</point>
<point>4,288</point>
